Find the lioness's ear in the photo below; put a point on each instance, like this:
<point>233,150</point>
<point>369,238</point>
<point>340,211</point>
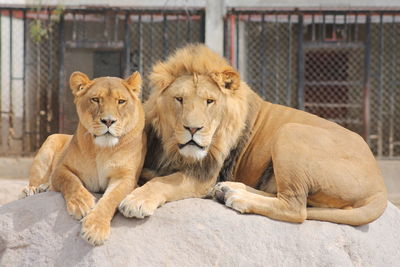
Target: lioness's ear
<point>134,83</point>
<point>78,82</point>
<point>227,79</point>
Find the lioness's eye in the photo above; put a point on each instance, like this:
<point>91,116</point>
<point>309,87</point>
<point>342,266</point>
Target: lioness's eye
<point>209,101</point>
<point>95,99</point>
<point>121,101</point>
<point>179,99</point>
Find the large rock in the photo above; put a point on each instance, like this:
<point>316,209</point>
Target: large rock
<point>37,231</point>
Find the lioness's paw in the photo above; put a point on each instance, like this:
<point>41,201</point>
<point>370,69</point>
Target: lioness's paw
<point>33,190</point>
<point>95,230</point>
<point>138,204</point>
<point>80,204</point>
<point>27,191</point>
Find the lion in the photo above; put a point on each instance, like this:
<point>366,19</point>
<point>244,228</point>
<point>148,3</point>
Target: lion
<point>210,134</point>
<point>105,155</point>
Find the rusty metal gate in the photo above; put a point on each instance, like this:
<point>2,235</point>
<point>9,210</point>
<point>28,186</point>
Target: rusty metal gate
<point>41,47</point>
<point>340,65</point>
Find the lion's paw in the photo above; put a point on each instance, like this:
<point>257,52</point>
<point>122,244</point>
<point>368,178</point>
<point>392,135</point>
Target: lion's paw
<point>219,190</point>
<point>234,198</point>
<point>95,230</point>
<point>80,204</point>
<point>138,204</point>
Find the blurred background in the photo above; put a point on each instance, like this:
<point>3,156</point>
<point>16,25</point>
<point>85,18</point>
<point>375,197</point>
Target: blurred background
<point>337,59</point>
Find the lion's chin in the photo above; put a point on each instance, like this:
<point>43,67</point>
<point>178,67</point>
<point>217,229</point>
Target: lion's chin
<point>106,140</point>
<point>194,152</point>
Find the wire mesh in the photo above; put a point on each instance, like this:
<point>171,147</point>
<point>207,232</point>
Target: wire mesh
<point>36,61</point>
<point>339,65</point>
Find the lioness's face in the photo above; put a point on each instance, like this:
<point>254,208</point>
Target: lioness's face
<point>196,105</point>
<point>106,106</point>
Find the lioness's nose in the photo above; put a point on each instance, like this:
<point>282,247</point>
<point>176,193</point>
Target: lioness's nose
<point>108,122</point>
<point>192,130</point>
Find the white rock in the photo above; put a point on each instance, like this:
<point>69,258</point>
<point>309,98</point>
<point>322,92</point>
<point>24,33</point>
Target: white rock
<point>37,231</point>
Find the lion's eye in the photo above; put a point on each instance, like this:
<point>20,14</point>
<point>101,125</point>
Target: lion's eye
<point>95,99</point>
<point>121,101</point>
<point>179,99</point>
<point>209,101</point>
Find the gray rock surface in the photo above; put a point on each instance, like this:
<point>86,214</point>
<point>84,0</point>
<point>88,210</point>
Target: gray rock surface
<point>37,231</point>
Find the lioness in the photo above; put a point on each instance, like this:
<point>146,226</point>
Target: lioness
<point>106,153</point>
<point>206,125</point>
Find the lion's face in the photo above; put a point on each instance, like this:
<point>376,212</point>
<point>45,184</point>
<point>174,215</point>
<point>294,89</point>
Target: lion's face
<point>197,107</point>
<point>106,106</point>
<point>195,111</point>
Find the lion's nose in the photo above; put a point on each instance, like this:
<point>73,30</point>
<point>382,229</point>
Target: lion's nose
<point>108,122</point>
<point>192,130</point>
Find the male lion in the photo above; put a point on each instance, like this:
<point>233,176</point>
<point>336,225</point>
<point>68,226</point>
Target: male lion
<point>106,153</point>
<point>205,125</point>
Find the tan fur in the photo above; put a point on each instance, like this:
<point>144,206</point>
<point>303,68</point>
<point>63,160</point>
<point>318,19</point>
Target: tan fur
<point>321,170</point>
<point>79,164</point>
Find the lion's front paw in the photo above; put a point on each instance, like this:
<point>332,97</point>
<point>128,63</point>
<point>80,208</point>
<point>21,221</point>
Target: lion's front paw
<point>220,189</point>
<point>139,204</point>
<point>232,197</point>
<point>80,204</point>
<point>95,230</point>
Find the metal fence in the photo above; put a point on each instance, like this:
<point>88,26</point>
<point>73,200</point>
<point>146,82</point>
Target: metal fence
<point>341,65</point>
<point>40,48</point>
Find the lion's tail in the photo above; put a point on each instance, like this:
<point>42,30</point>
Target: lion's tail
<point>374,208</point>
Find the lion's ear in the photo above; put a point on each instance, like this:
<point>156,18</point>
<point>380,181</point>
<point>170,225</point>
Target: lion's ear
<point>228,79</point>
<point>134,83</point>
<point>78,83</point>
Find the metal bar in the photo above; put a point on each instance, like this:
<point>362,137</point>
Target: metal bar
<point>165,37</point>
<point>263,56</point>
<point>151,37</point>
<point>392,86</point>
<point>105,27</point>
<point>140,46</point>
<point>237,36</point>
<point>334,45</point>
<point>189,27</point>
<point>116,26</point>
<point>74,26</point>
<point>24,108</point>
<point>127,46</point>
<point>380,92</point>
<point>95,45</point>
<point>323,27</point>
<point>49,78</point>
<point>356,29</point>
<point>300,64</point>
<point>289,64</point>
<point>177,31</point>
<point>232,40</point>
<point>277,60</point>
<point>11,106</point>
<point>61,86</point>
<point>313,11</point>
<point>367,62</point>
<point>203,28</point>
<point>1,87</point>
<point>345,28</point>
